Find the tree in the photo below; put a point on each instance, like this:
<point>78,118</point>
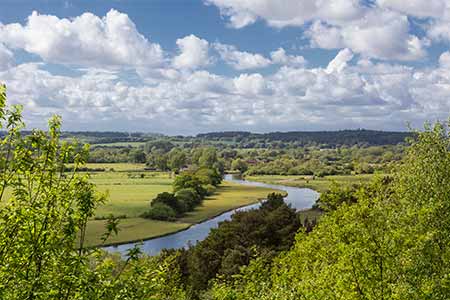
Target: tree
<point>137,156</point>
<point>176,159</point>
<point>43,216</point>
<point>170,200</point>
<point>208,158</point>
<point>240,165</point>
<point>392,242</point>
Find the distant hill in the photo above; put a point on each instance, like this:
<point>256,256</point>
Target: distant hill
<point>331,138</point>
<point>247,139</point>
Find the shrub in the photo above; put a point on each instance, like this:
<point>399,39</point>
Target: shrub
<point>210,189</point>
<point>170,200</point>
<point>160,211</point>
<point>189,197</point>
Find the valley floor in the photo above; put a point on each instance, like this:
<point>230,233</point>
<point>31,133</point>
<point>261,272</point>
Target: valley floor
<point>129,195</point>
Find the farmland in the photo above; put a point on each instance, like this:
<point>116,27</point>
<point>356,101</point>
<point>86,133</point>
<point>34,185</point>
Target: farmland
<point>129,194</point>
<point>319,184</point>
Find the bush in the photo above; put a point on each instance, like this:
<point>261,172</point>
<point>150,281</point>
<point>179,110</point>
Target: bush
<point>210,189</point>
<point>170,200</point>
<point>189,197</point>
<point>160,211</point>
<point>188,180</point>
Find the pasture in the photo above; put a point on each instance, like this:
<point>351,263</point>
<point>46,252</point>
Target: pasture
<point>319,184</point>
<point>129,195</point>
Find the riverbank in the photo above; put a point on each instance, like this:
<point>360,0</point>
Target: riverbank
<point>229,196</point>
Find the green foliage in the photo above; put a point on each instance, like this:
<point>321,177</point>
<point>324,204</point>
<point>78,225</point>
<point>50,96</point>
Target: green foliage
<point>210,189</point>
<point>190,197</point>
<point>43,225</point>
<point>208,176</point>
<point>160,211</point>
<point>268,230</point>
<point>336,196</point>
<point>176,159</point>
<point>386,240</point>
<point>240,165</point>
<point>188,180</point>
<point>171,201</point>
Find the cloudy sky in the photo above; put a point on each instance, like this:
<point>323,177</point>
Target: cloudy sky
<point>189,66</point>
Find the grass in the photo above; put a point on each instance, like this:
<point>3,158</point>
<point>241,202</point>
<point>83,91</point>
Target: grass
<point>131,197</point>
<point>229,195</point>
<point>131,229</point>
<point>128,193</point>
<point>120,167</point>
<point>319,184</point>
<point>119,144</point>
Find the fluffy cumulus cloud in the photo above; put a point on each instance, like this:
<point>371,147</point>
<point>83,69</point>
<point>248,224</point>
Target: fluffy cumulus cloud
<point>279,56</point>
<point>419,8</point>
<point>241,60</point>
<point>193,53</point>
<point>346,93</point>
<point>382,35</point>
<point>281,13</point>
<point>253,84</point>
<point>86,40</point>
<point>176,93</point>
<point>381,31</point>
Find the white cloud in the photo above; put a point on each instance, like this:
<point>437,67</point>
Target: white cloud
<point>419,8</point>
<point>241,60</point>
<point>380,34</point>
<point>368,94</point>
<point>279,56</point>
<point>193,53</point>
<point>340,61</point>
<point>252,84</point>
<point>324,36</point>
<point>84,40</point>
<point>344,94</point>
<point>369,30</point>
<point>281,13</point>
<point>6,58</point>
<point>444,60</point>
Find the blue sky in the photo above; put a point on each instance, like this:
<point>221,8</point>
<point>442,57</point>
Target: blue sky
<point>182,67</point>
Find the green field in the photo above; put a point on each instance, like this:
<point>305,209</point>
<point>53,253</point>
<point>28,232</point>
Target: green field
<point>118,167</point>
<point>120,144</point>
<point>228,196</point>
<point>319,184</point>
<point>128,193</point>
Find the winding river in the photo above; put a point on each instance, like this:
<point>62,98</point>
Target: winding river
<point>299,198</point>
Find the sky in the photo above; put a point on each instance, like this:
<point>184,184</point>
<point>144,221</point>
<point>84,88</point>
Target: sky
<point>190,66</point>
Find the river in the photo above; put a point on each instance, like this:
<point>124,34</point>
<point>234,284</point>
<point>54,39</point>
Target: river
<point>299,198</point>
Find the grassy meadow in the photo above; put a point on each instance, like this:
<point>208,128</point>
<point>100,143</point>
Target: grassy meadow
<point>319,184</point>
<point>129,194</point>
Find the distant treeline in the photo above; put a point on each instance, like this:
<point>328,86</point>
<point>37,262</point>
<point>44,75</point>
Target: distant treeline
<point>330,138</point>
<point>243,139</point>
